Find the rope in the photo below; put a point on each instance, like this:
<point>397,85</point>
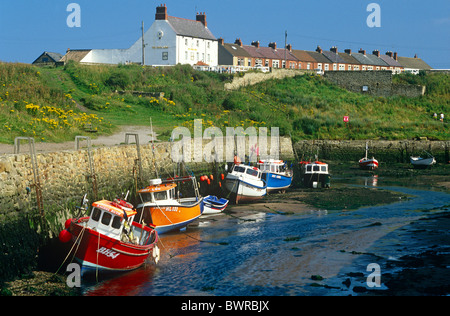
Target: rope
<point>80,235</point>
<point>96,266</point>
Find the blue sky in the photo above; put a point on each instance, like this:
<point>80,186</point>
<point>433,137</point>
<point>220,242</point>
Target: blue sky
<point>409,27</point>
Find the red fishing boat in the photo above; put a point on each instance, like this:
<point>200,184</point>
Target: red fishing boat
<point>368,163</point>
<point>109,239</point>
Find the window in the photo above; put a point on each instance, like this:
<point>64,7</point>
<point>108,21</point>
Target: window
<point>252,172</point>
<point>96,214</point>
<point>334,66</point>
<point>208,45</point>
<point>160,196</point>
<point>186,55</point>
<point>341,67</point>
<point>239,169</point>
<point>106,218</point>
<point>186,42</point>
<point>316,168</point>
<point>276,64</point>
<point>165,55</point>
<point>324,168</point>
<point>326,66</point>
<point>117,220</point>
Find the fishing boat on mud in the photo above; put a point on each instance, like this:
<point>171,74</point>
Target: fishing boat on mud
<point>213,205</point>
<point>162,204</point>
<point>109,240</point>
<point>278,176</point>
<point>368,163</point>
<point>315,174</point>
<point>245,183</point>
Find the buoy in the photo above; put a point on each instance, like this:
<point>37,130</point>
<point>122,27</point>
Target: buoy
<point>208,181</point>
<point>220,184</point>
<point>65,236</point>
<point>156,254</point>
<point>222,176</point>
<point>211,177</point>
<point>67,223</point>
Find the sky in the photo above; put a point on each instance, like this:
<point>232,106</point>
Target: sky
<point>409,27</point>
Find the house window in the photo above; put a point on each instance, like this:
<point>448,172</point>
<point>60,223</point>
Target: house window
<point>209,57</point>
<point>326,66</point>
<point>275,63</point>
<point>165,55</point>
<point>349,67</point>
<point>334,66</point>
<point>341,67</point>
<point>192,56</point>
<point>198,42</point>
<point>209,45</point>
<point>186,55</point>
<point>258,62</point>
<point>266,63</point>
<point>186,42</point>
<point>319,66</point>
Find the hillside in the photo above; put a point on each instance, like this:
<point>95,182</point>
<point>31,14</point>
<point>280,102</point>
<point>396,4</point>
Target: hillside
<point>56,104</point>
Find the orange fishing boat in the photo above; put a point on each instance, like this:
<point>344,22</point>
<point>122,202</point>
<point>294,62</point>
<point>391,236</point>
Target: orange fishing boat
<point>161,204</point>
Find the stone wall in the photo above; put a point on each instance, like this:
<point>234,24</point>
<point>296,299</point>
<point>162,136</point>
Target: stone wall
<point>377,83</point>
<point>252,78</point>
<point>383,150</point>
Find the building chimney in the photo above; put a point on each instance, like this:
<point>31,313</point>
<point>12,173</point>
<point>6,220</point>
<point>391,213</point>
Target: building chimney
<point>415,56</point>
<point>289,47</point>
<point>220,40</point>
<point>238,42</point>
<point>376,53</point>
<point>389,54</point>
<point>273,45</point>
<point>348,51</point>
<point>201,17</point>
<point>319,49</point>
<point>68,50</point>
<point>161,12</point>
<point>395,55</point>
<point>256,44</point>
<point>362,51</point>
<point>334,49</point>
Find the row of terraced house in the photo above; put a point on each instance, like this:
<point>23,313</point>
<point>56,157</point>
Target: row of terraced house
<point>172,40</point>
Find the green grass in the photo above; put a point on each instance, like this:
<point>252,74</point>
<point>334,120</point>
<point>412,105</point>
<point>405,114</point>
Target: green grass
<point>55,104</point>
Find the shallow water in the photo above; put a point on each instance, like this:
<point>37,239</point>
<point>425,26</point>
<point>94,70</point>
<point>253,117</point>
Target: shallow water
<point>270,254</point>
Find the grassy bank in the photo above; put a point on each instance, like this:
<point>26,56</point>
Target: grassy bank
<point>55,104</point>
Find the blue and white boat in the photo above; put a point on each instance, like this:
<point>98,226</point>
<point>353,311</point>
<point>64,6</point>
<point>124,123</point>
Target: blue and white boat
<point>278,176</point>
<point>245,184</point>
<point>213,205</point>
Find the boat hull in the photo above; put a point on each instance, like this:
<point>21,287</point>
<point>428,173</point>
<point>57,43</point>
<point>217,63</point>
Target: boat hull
<point>172,217</point>
<point>242,191</point>
<point>212,205</point>
<point>98,252</point>
<point>422,163</point>
<point>276,182</point>
<point>368,164</point>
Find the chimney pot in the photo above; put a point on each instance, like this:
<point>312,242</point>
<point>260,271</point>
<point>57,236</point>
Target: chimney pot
<point>395,56</point>
<point>238,42</point>
<point>376,53</point>
<point>348,51</point>
<point>256,44</point>
<point>362,51</point>
<point>334,49</point>
<point>273,45</point>
<point>201,17</point>
<point>319,49</point>
<point>389,54</point>
<point>289,47</point>
<point>220,40</point>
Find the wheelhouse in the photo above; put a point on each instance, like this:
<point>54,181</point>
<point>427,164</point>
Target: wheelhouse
<point>158,193</point>
<point>247,170</point>
<point>108,218</point>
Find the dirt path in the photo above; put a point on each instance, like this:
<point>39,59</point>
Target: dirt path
<point>144,132</point>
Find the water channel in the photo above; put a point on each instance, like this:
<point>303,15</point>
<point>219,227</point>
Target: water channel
<point>313,252</point>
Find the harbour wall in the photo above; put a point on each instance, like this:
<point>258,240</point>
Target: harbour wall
<point>385,151</point>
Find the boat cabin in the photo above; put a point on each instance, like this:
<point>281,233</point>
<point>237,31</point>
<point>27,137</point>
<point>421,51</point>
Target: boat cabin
<point>316,167</point>
<point>158,193</point>
<point>108,218</point>
<point>272,166</point>
<point>247,170</point>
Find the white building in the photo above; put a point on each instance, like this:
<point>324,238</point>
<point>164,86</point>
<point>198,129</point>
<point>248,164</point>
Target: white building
<point>169,41</point>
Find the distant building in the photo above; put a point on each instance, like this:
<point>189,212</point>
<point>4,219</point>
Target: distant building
<point>413,65</point>
<point>169,41</point>
<point>48,58</point>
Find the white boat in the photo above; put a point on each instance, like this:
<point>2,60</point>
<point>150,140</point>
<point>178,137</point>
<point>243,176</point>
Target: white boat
<point>368,163</point>
<point>278,177</point>
<point>422,163</point>
<point>245,183</point>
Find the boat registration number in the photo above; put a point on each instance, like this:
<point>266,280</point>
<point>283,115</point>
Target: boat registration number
<point>108,252</point>
<point>170,209</point>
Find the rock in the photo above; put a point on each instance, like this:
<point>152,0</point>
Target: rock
<point>359,289</point>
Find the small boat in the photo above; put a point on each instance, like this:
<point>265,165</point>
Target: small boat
<point>161,204</point>
<point>422,163</point>
<point>368,163</point>
<point>213,205</point>
<point>245,183</point>
<point>315,174</point>
<point>277,175</point>
<point>109,240</point>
